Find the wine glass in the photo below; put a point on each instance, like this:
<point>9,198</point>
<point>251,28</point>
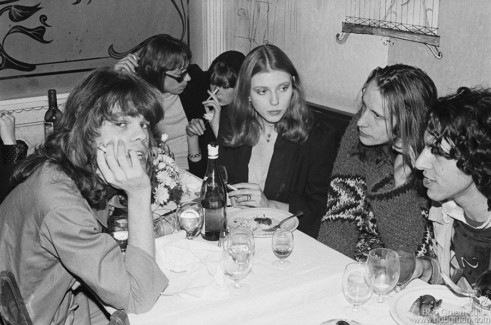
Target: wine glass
<point>245,234</point>
<point>224,173</point>
<point>407,262</point>
<point>356,289</point>
<point>117,227</point>
<point>282,244</point>
<point>383,271</point>
<point>190,217</point>
<point>237,260</point>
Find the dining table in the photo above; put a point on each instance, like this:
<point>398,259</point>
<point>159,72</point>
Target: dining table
<point>309,292</point>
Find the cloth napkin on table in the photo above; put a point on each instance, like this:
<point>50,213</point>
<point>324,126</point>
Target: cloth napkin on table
<point>193,267</point>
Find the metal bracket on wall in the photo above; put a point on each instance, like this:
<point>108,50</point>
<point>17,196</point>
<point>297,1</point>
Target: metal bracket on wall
<point>341,38</point>
<point>432,41</point>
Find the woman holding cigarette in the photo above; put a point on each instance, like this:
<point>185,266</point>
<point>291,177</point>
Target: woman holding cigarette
<point>223,74</point>
<point>164,62</point>
<point>277,156</point>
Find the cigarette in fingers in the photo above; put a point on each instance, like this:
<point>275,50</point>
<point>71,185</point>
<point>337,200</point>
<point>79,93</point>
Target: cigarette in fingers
<point>101,148</point>
<point>232,187</point>
<point>214,92</point>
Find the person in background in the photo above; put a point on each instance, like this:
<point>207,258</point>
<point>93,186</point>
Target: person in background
<point>51,224</point>
<point>11,152</point>
<point>456,163</point>
<point>164,62</point>
<point>223,74</point>
<point>375,194</point>
<point>274,151</point>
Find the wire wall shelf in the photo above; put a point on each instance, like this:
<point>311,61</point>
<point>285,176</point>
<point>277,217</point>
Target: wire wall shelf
<point>410,20</point>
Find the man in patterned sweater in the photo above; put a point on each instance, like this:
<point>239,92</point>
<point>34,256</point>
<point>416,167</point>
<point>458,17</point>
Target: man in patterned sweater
<point>373,199</point>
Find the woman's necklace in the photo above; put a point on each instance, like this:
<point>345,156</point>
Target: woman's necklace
<point>268,135</point>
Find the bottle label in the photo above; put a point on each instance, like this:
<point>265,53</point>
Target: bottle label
<point>48,128</point>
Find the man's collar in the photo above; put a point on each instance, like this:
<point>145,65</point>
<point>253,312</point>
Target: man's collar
<point>450,209</point>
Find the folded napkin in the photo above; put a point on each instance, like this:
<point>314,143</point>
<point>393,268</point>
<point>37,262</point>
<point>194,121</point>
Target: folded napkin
<point>193,267</point>
<point>191,185</point>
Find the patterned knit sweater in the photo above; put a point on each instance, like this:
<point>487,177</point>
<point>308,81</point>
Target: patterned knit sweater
<point>365,210</point>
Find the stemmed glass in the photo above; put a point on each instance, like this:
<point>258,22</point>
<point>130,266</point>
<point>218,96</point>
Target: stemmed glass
<point>224,173</point>
<point>407,262</point>
<point>282,244</point>
<point>190,217</point>
<point>246,234</point>
<point>356,289</point>
<point>237,260</point>
<point>117,226</point>
<point>383,271</point>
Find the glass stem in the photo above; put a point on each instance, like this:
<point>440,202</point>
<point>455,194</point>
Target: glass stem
<point>356,307</point>
<point>380,298</point>
<point>237,286</point>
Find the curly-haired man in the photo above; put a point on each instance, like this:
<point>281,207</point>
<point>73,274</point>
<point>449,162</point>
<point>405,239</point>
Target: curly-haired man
<point>456,163</point>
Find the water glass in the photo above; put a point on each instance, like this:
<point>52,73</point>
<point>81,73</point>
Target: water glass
<point>383,271</point>
<point>407,262</point>
<point>282,244</point>
<point>224,174</point>
<point>244,234</point>
<point>237,261</point>
<point>190,217</point>
<point>117,227</point>
<point>356,289</point>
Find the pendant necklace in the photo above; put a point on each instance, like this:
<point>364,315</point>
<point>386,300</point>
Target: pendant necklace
<point>268,137</point>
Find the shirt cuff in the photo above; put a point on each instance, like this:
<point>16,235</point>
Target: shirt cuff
<point>151,280</point>
<point>13,153</point>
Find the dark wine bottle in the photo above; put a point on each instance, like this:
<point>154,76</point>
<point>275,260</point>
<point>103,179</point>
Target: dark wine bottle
<point>213,197</point>
<point>53,114</point>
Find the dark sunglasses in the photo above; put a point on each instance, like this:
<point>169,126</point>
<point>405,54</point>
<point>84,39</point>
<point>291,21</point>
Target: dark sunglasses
<point>179,79</point>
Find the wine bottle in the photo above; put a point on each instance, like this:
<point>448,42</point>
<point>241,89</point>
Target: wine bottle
<point>53,114</point>
<point>213,197</point>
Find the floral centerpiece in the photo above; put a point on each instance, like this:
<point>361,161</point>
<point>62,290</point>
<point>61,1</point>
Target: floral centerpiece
<point>166,188</point>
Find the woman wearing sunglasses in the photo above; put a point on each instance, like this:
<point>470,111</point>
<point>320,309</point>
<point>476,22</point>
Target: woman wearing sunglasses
<point>164,62</point>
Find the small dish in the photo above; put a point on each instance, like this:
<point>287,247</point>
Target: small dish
<point>402,302</point>
<point>246,218</point>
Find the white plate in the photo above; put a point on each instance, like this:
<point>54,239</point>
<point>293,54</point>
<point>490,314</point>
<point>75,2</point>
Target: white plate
<point>400,304</point>
<point>275,215</point>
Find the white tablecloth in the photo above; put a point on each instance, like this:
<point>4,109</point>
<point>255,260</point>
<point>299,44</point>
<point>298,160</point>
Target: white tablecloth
<point>308,293</point>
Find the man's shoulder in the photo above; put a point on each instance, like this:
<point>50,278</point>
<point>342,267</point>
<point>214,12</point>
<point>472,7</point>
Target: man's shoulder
<point>50,187</point>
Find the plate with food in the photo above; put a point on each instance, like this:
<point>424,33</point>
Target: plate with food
<point>259,219</point>
<point>430,304</point>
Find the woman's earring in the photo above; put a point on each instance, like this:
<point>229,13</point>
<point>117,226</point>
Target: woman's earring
<point>250,100</point>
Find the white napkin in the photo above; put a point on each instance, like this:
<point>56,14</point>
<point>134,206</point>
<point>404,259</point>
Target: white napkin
<point>191,185</point>
<point>194,268</point>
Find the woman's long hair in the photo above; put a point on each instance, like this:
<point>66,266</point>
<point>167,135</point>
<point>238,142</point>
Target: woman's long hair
<point>408,93</point>
<point>72,146</point>
<point>245,122</point>
<point>163,53</point>
<point>224,70</point>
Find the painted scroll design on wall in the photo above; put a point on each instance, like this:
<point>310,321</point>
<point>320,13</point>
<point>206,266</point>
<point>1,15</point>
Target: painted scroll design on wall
<point>181,9</point>
<point>18,14</point>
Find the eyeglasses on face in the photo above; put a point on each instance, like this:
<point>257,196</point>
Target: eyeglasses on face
<point>179,78</point>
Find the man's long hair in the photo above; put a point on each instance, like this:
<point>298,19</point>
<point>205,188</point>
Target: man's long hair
<point>408,93</point>
<point>72,146</point>
<point>245,122</point>
<point>464,121</point>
